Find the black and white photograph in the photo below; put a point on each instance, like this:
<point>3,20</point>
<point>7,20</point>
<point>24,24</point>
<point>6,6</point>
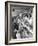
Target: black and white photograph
<point>20,22</point>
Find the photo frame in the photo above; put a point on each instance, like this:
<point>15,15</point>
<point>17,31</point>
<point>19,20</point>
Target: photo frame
<point>20,22</point>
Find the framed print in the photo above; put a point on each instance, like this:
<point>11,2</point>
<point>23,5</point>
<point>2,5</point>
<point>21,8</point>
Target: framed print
<point>20,22</point>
